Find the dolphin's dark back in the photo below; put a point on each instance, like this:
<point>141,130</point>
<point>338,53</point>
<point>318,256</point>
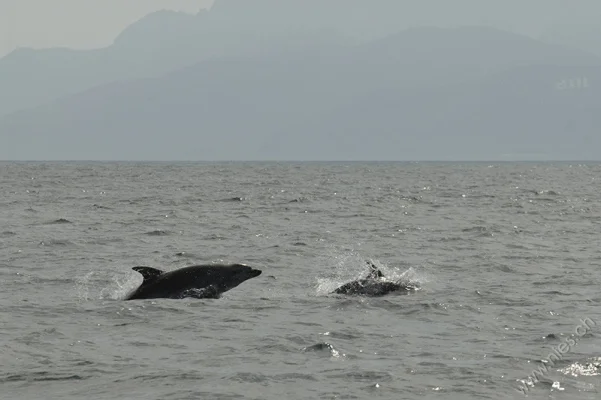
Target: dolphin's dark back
<point>197,281</point>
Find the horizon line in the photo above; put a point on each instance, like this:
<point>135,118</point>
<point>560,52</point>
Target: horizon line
<point>301,161</point>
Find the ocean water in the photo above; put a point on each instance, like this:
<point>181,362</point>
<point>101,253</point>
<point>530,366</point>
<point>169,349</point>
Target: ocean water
<point>507,255</point>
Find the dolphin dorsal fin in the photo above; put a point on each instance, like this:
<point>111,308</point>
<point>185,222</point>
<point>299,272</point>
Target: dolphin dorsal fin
<point>374,272</point>
<point>148,273</point>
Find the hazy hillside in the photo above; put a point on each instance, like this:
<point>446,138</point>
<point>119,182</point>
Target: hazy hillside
<point>32,77</point>
<point>584,36</point>
<point>426,93</point>
<point>166,41</point>
<point>525,113</point>
<point>157,44</point>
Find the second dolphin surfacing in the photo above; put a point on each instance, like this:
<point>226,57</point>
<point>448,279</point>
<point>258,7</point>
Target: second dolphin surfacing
<point>375,284</point>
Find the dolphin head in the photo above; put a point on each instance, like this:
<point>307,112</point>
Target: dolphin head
<point>228,277</point>
<point>244,272</point>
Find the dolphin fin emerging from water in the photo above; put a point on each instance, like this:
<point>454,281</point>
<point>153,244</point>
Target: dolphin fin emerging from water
<point>148,273</point>
<point>374,272</point>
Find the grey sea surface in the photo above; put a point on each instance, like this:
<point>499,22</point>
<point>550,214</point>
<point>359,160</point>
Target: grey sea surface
<point>507,255</point>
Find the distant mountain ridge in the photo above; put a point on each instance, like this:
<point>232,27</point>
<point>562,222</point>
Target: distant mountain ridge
<point>166,41</point>
<point>425,93</point>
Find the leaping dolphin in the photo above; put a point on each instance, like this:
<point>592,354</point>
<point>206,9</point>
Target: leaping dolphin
<point>196,281</point>
<point>375,284</point>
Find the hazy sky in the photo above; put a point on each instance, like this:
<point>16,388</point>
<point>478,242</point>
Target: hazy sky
<point>76,23</point>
